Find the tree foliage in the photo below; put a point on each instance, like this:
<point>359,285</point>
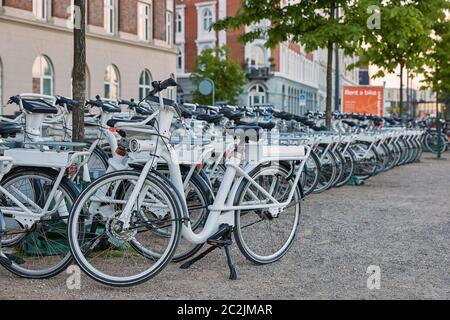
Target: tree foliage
<point>227,75</point>
<point>310,23</point>
<point>404,38</point>
<point>437,75</point>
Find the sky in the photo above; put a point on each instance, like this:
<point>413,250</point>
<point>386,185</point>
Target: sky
<point>393,80</point>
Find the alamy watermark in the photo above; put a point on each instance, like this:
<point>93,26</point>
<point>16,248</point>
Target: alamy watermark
<point>73,282</point>
<point>374,280</point>
<point>374,20</point>
<point>75,17</point>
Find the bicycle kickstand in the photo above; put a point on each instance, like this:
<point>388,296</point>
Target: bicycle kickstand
<point>221,239</point>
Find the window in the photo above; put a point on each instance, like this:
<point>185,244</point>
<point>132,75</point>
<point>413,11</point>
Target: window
<point>110,16</point>
<point>179,23</point>
<point>257,95</point>
<point>43,75</point>
<point>169,29</point>
<point>257,56</point>
<point>145,84</point>
<point>144,21</point>
<point>74,11</point>
<point>112,82</point>
<point>180,61</point>
<point>41,9</point>
<point>207,20</point>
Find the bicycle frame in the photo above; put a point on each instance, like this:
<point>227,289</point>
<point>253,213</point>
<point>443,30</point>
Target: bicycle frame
<point>28,217</point>
<point>222,211</point>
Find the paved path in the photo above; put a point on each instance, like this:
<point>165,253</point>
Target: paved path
<point>399,221</point>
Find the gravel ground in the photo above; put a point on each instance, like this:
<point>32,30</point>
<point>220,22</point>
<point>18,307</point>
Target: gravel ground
<point>399,221</point>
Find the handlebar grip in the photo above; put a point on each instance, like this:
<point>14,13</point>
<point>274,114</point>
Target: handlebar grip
<point>168,83</point>
<point>15,99</point>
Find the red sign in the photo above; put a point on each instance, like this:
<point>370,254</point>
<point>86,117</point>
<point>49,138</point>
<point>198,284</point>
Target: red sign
<point>365,100</point>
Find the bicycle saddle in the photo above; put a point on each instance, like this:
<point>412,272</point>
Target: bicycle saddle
<point>349,123</point>
<point>283,115</point>
<point>113,122</point>
<point>358,117</point>
<point>319,129</point>
<point>111,108</point>
<point>231,115</point>
<point>210,118</point>
<point>263,125</point>
<point>36,105</point>
<point>9,129</point>
<point>389,120</point>
<point>186,113</point>
<point>300,119</point>
<point>309,123</point>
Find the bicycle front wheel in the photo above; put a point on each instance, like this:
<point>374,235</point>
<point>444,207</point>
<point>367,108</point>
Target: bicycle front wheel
<point>118,256</point>
<point>264,237</point>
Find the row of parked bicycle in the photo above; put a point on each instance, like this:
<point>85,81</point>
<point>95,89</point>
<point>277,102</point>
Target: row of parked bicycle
<point>154,184</point>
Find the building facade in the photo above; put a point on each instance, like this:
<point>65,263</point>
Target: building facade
<point>287,76</point>
<point>129,44</point>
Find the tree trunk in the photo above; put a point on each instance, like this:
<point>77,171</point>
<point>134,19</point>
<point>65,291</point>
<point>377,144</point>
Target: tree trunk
<point>329,101</point>
<point>401,90</point>
<point>79,70</point>
<point>408,105</point>
<point>438,126</point>
<point>337,75</point>
<point>330,48</point>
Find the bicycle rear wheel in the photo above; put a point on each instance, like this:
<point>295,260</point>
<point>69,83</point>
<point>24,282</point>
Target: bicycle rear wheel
<point>311,173</point>
<point>328,169</point>
<point>367,160</point>
<point>349,168</point>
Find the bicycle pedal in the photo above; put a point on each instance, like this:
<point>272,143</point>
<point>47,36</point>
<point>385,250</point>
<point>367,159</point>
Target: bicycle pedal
<point>221,237</point>
<point>220,242</point>
<point>15,259</point>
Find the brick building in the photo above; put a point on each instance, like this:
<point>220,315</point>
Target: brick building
<point>283,76</point>
<point>129,43</point>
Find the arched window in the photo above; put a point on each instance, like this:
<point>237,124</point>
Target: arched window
<point>207,20</point>
<point>43,76</point>
<point>257,95</point>
<point>257,56</point>
<point>112,82</point>
<point>179,23</point>
<point>145,84</point>
<point>1,83</point>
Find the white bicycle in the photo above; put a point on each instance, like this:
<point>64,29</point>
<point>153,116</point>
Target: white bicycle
<point>36,196</point>
<point>126,226</point>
